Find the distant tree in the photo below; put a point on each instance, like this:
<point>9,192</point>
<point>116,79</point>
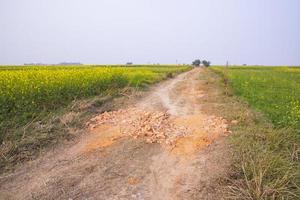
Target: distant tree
<point>197,63</point>
<point>206,63</point>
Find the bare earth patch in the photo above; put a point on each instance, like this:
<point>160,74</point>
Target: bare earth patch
<point>163,147</point>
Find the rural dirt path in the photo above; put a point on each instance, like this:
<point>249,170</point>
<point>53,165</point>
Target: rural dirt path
<point>164,147</point>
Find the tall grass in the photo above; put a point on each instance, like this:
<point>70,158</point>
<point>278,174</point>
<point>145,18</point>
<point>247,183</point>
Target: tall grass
<point>266,156</point>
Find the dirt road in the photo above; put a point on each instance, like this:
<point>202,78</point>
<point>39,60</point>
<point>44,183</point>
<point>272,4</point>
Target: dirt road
<point>163,147</point>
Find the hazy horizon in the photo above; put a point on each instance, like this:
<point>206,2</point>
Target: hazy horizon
<point>145,32</point>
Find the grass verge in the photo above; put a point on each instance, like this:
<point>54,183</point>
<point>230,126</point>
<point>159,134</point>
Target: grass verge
<point>265,157</point>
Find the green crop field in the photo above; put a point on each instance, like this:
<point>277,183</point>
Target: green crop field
<point>28,91</point>
<point>273,90</point>
<point>266,155</point>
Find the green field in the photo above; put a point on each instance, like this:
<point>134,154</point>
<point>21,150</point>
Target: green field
<point>27,92</point>
<point>265,147</point>
<point>273,90</point>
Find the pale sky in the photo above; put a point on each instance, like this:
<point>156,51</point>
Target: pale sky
<point>150,31</point>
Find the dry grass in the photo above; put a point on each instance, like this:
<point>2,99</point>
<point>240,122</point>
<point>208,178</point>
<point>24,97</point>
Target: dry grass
<point>58,127</point>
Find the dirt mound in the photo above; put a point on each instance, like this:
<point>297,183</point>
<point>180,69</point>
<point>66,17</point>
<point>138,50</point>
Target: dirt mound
<point>155,127</point>
<point>161,127</point>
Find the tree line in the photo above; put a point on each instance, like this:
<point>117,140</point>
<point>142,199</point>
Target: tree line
<point>198,62</point>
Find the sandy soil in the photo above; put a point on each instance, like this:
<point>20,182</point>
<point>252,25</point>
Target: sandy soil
<point>162,147</point>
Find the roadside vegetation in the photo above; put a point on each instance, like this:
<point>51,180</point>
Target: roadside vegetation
<point>266,140</point>
<point>273,90</point>
<point>31,95</point>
